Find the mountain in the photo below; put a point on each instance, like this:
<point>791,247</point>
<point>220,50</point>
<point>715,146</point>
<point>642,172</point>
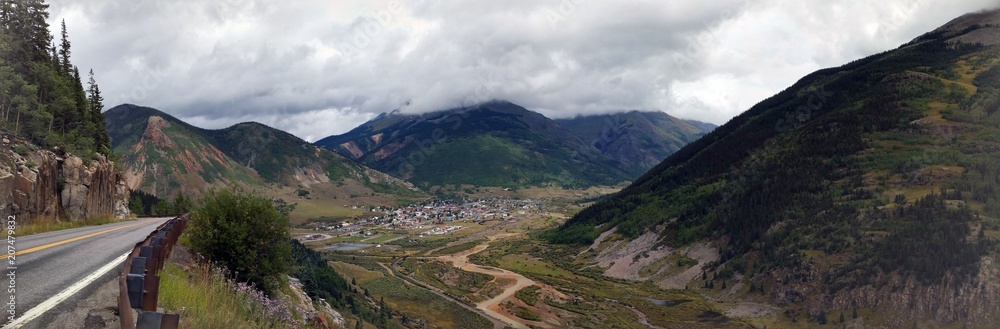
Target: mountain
<point>636,140</point>
<point>162,155</point>
<point>492,144</point>
<point>868,186</point>
<point>703,126</point>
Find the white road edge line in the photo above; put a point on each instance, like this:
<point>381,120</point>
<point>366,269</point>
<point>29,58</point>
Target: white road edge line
<point>62,296</point>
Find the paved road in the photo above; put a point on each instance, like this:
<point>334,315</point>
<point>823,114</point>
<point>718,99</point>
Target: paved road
<point>50,267</point>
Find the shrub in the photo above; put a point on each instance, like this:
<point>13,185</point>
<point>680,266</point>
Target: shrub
<point>245,234</point>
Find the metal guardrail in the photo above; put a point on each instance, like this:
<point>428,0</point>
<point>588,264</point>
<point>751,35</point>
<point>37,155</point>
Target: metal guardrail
<point>139,284</point>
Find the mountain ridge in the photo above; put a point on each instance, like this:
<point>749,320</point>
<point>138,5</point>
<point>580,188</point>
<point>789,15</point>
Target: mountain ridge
<point>155,145</point>
<point>637,140</point>
<point>497,137</point>
<point>860,186</point>
<point>401,143</point>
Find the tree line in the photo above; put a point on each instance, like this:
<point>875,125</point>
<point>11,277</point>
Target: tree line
<point>42,96</point>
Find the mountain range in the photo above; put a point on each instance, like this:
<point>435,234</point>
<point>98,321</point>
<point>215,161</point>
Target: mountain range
<point>503,144</point>
<point>163,155</point>
<point>636,140</point>
<point>868,186</point>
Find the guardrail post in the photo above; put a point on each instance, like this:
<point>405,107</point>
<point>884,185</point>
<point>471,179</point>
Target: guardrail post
<point>139,284</point>
<point>151,291</point>
<point>135,285</point>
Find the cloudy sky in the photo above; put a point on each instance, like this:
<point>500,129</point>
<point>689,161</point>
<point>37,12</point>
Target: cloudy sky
<point>317,68</point>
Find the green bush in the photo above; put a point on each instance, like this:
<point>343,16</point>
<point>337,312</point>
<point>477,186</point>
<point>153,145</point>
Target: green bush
<point>244,233</point>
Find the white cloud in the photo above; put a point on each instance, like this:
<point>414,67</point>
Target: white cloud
<point>316,68</point>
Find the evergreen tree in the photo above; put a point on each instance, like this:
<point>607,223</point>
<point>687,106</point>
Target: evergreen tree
<point>95,106</point>
<point>135,206</point>
<point>162,208</point>
<point>64,50</point>
<point>41,94</point>
<point>182,204</point>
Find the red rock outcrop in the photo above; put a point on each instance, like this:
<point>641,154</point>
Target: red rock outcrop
<point>39,184</point>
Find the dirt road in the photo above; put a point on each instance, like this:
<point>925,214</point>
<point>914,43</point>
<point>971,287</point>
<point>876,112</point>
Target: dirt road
<point>492,305</point>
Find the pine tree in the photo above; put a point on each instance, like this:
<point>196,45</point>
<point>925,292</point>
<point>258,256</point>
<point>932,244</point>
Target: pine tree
<point>64,49</point>
<point>135,206</point>
<point>41,94</point>
<point>96,106</point>
<point>854,313</point>
<point>841,316</point>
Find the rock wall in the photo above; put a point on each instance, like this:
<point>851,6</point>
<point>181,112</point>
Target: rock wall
<point>42,185</point>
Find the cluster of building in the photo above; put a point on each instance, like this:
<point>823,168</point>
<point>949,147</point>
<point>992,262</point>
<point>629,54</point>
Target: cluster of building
<point>436,213</point>
<point>439,212</point>
<point>440,230</point>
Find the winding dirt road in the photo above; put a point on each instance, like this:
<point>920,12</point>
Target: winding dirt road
<point>492,305</point>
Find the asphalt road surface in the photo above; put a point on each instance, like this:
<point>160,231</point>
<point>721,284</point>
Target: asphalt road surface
<point>55,269</point>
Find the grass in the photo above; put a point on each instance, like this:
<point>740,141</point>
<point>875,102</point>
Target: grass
<point>461,285</point>
<point>383,238</point>
<point>529,295</point>
<point>42,226</point>
<point>413,300</point>
<point>350,271</point>
<point>527,314</point>
<point>526,265</point>
<point>334,209</point>
<point>205,300</point>
<point>459,247</point>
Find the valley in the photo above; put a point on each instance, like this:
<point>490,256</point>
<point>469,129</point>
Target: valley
<point>470,171</point>
<point>503,269</point>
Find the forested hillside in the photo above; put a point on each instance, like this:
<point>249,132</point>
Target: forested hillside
<point>869,185</point>
<point>491,144</point>
<point>42,97</point>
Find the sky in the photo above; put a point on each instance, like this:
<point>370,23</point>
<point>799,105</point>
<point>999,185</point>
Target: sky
<point>318,68</point>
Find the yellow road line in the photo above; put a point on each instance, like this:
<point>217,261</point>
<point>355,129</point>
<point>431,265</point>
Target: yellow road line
<point>53,244</point>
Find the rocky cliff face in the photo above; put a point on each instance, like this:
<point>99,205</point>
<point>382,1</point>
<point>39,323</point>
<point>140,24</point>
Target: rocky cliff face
<point>42,185</point>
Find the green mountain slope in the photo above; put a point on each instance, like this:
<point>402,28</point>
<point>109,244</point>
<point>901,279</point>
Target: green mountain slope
<point>493,144</point>
<point>872,185</point>
<point>162,155</point>
<point>636,140</point>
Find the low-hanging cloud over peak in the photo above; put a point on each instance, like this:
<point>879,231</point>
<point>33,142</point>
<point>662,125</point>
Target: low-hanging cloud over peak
<point>316,68</point>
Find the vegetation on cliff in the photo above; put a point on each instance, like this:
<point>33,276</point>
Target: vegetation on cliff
<point>42,96</point>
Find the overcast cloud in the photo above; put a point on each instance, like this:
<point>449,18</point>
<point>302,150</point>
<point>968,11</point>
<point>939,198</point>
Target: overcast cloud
<point>317,68</point>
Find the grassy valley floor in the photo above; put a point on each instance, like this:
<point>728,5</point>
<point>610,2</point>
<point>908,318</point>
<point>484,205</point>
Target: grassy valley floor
<point>500,272</point>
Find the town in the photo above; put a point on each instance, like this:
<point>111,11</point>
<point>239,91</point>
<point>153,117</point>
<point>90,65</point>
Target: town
<point>431,215</point>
